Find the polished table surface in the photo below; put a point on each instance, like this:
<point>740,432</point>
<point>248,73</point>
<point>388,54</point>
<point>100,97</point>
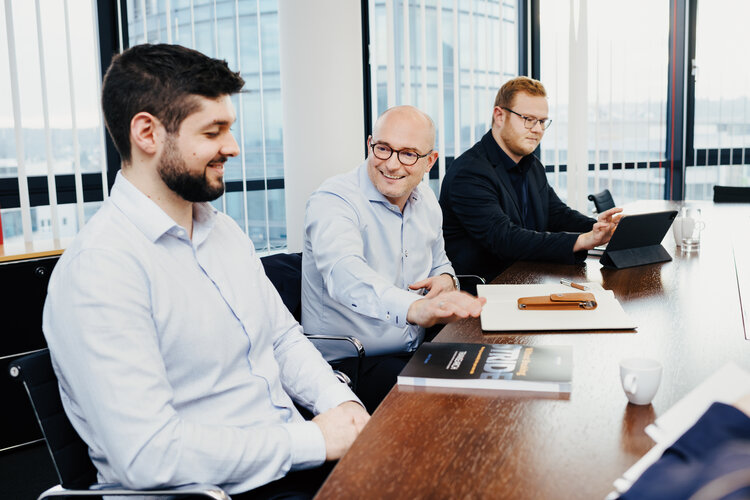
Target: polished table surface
<point>437,443</point>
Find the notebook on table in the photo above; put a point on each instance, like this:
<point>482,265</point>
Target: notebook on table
<point>501,313</point>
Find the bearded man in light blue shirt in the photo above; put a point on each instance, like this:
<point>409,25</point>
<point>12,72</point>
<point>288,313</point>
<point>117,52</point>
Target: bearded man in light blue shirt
<point>176,358</point>
<point>374,264</point>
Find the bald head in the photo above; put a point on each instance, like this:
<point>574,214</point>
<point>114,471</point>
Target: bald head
<point>411,118</point>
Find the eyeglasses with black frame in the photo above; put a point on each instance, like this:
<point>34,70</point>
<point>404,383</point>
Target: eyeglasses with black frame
<point>529,122</point>
<point>406,156</point>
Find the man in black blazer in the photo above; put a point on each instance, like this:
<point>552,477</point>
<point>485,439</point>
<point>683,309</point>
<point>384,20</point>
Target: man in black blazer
<point>497,204</point>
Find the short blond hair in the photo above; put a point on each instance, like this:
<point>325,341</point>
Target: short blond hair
<point>508,91</point>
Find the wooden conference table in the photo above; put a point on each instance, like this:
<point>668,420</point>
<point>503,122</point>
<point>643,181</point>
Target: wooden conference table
<point>436,443</point>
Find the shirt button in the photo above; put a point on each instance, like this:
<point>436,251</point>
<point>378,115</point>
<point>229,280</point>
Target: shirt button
<point>406,253</point>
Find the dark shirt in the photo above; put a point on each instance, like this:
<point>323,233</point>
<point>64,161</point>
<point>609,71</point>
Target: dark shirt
<point>715,447</point>
<point>483,222</point>
<point>519,177</point>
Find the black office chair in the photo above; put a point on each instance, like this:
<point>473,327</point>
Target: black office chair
<point>602,201</point>
<point>731,194</point>
<point>285,272</point>
<point>69,452</point>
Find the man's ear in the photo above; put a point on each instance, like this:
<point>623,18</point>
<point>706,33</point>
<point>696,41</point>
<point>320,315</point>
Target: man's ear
<point>143,133</point>
<point>431,160</point>
<point>498,115</point>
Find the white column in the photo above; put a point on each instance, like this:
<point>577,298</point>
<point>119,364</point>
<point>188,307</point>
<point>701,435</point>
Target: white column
<point>578,161</point>
<point>322,97</point>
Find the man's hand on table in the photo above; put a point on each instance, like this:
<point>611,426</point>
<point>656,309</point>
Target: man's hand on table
<point>341,426</point>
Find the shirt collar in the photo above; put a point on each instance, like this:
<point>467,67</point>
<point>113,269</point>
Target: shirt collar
<point>150,219</point>
<point>372,193</point>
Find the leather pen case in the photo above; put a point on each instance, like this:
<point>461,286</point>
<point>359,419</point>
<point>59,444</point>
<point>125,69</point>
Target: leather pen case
<point>559,302</point>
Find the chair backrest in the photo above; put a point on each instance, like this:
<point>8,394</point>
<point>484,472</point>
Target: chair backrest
<point>285,272</point>
<point>70,454</point>
<point>731,194</point>
<point>602,201</point>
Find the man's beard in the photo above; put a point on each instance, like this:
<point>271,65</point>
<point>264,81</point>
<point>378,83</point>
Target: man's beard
<point>193,187</point>
<point>515,144</point>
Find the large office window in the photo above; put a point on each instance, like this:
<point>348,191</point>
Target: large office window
<point>448,58</point>
<point>626,65</point>
<point>51,133</point>
<point>721,129</point>
<point>245,33</point>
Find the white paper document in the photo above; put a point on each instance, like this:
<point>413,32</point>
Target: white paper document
<point>501,313</point>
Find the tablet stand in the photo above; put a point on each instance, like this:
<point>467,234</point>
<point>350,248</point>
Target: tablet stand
<point>631,257</point>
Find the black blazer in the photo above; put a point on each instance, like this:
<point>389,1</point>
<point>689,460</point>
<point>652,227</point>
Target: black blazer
<point>482,217</point>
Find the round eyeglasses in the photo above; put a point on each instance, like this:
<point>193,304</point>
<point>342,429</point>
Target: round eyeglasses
<point>406,156</point>
<point>529,122</point>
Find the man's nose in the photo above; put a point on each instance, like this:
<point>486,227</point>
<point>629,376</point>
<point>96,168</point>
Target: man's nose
<point>230,146</point>
<point>393,162</point>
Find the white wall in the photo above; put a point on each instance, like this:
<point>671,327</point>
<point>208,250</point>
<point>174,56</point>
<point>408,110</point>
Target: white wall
<point>322,98</point>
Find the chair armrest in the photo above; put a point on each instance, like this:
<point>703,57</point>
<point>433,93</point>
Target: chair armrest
<point>355,342</point>
<point>97,490</point>
<point>469,282</point>
<point>344,378</point>
<point>350,380</point>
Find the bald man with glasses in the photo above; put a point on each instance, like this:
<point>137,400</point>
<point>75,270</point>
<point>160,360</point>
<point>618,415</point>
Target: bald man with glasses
<point>374,264</point>
<point>497,204</point>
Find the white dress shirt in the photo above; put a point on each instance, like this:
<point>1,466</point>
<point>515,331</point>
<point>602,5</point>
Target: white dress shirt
<point>177,358</point>
<point>360,256</point>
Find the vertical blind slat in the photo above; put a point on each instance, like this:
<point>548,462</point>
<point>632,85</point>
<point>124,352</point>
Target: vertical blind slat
<point>168,13</point>
<point>241,119</point>
<point>406,96</point>
<point>74,122</point>
<point>145,22</point>
<point>262,125</point>
<point>456,86</point>
<point>472,77</point>
<point>441,89</point>
<point>51,184</point>
<point>23,187</point>
<point>390,64</point>
<point>373,60</point>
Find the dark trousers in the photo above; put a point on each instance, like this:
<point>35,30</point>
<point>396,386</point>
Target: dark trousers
<point>378,374</point>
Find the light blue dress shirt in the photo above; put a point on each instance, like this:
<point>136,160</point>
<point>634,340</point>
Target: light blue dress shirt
<point>360,256</point>
<point>176,358</point>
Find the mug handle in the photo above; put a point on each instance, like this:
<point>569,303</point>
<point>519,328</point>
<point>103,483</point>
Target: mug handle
<point>701,225</point>
<point>630,383</point>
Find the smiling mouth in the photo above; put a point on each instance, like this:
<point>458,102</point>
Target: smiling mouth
<point>392,177</point>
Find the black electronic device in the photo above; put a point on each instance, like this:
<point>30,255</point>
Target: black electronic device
<point>637,240</point>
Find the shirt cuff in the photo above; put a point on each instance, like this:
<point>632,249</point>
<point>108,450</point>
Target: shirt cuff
<point>445,268</point>
<point>333,396</point>
<point>307,445</point>
<point>396,303</point>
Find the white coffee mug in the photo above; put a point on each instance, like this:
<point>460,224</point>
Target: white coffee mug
<point>640,379</point>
